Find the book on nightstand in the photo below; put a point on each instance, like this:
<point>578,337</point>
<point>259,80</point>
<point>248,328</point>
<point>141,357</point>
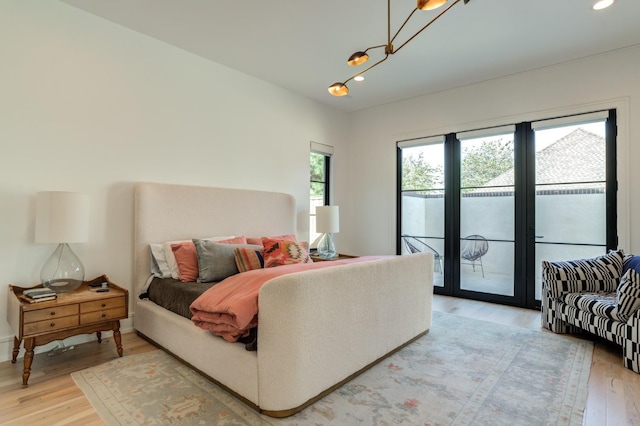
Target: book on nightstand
<point>38,295</point>
<point>39,299</point>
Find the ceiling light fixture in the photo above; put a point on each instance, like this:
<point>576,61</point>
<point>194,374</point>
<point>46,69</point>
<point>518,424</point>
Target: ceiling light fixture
<point>602,4</point>
<point>360,57</point>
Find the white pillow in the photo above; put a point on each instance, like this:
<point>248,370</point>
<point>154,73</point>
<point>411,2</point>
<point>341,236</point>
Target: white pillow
<point>159,265</point>
<point>171,259</point>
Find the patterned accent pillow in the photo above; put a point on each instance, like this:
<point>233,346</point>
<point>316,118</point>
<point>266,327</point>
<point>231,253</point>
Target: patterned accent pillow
<point>248,259</point>
<point>280,252</point>
<point>288,237</point>
<point>628,294</point>
<point>586,275</point>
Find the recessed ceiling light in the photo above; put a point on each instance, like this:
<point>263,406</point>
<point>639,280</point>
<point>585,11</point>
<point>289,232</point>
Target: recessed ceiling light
<point>602,4</point>
<point>358,77</point>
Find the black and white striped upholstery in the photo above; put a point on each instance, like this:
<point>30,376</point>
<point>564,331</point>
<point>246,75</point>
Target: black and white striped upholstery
<point>597,274</point>
<point>628,294</point>
<point>612,312</point>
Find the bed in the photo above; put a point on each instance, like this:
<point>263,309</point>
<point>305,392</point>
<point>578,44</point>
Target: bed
<point>317,329</point>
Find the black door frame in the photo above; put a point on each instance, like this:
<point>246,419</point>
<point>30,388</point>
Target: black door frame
<point>524,231</point>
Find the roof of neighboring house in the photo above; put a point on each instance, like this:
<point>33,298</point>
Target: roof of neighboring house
<point>577,157</point>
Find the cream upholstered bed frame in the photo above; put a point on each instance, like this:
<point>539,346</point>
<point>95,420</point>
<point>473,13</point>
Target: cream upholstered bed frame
<point>317,328</point>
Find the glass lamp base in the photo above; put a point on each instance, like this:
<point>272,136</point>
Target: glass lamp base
<point>62,272</point>
<point>326,247</point>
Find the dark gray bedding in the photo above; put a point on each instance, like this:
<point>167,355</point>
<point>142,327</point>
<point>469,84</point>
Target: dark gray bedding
<point>175,295</point>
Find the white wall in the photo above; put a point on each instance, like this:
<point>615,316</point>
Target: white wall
<point>90,106</point>
<point>599,82</point>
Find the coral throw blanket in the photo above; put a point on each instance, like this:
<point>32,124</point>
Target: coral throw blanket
<point>230,308</point>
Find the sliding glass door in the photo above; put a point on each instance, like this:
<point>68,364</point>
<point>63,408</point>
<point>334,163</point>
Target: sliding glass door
<point>492,204</point>
<point>421,164</point>
<point>570,189</point>
<point>487,208</point>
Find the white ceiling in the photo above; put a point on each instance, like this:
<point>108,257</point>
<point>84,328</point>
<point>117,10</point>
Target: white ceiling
<point>303,45</point>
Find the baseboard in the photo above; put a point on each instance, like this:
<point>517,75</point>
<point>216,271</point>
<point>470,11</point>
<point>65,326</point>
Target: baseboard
<point>6,342</point>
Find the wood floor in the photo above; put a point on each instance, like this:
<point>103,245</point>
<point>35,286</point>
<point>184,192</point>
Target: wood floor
<point>53,399</point>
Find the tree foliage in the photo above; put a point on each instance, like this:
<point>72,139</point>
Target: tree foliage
<point>418,174</point>
<point>480,164</point>
<point>317,174</point>
<point>485,162</point>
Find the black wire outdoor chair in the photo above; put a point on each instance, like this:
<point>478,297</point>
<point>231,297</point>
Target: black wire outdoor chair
<point>415,245</point>
<point>472,248</point>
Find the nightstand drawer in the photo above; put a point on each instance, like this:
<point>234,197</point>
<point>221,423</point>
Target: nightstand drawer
<point>103,315</point>
<point>50,313</point>
<point>101,305</point>
<point>51,324</point>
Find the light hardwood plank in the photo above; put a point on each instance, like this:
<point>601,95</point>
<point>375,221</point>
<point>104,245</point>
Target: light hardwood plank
<point>53,399</point>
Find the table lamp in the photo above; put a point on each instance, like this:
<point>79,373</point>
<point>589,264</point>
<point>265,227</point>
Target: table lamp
<point>63,218</point>
<point>327,223</point>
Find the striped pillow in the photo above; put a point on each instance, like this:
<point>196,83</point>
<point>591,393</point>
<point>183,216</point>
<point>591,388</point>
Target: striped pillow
<point>587,275</point>
<point>628,294</point>
<point>248,259</point>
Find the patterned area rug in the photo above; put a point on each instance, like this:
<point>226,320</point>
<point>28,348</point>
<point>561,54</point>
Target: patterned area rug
<point>464,372</point>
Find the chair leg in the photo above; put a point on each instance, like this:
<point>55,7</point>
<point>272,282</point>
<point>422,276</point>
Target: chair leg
<point>481,267</point>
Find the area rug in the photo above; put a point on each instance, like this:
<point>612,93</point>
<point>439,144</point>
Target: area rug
<point>464,372</point>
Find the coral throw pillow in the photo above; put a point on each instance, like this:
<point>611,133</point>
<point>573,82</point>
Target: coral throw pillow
<point>235,240</point>
<point>186,260</point>
<point>280,252</point>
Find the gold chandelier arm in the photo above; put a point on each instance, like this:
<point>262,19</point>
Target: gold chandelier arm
<point>374,47</point>
<point>428,24</point>
<point>401,27</point>
<point>366,69</point>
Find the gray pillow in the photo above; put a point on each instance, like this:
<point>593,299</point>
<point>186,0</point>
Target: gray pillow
<point>217,261</point>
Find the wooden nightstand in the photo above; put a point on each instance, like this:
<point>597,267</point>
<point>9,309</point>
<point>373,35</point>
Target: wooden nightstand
<point>82,311</point>
<point>338,257</point>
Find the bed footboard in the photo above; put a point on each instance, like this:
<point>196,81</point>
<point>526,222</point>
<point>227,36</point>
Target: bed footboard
<point>319,327</point>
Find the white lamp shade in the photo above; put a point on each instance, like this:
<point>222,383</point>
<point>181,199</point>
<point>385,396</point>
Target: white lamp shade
<point>62,217</point>
<point>327,219</point>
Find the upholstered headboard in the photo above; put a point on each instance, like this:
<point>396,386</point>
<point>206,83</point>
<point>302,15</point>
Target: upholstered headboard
<point>165,212</point>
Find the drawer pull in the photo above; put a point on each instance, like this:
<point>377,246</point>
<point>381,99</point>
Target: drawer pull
<point>104,304</point>
<point>104,315</point>
<point>53,312</point>
<point>53,324</point>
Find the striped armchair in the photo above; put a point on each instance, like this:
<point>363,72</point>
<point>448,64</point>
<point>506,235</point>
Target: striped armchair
<point>599,295</point>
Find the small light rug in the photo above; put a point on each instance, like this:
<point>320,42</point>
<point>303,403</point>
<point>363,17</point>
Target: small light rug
<point>464,372</point>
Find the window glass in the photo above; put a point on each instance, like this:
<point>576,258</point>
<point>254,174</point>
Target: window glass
<point>318,191</point>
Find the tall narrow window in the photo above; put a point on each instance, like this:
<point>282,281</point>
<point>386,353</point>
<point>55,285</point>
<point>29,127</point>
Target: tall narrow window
<point>487,209</point>
<point>422,200</point>
<point>319,194</point>
<point>571,189</point>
